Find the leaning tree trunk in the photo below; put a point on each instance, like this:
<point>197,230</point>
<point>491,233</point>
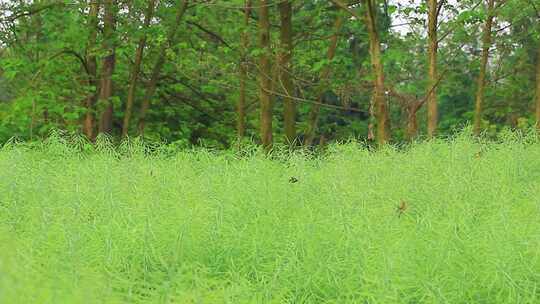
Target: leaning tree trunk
<point>152,84</point>
<point>137,67</point>
<point>432,51</point>
<point>106,86</point>
<point>285,83</point>
<point>412,122</point>
<point>265,77</point>
<point>376,63</point>
<point>412,126</point>
<point>486,44</point>
<point>241,106</point>
<point>313,118</point>
<point>91,65</point>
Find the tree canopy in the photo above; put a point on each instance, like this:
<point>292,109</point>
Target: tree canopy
<point>299,72</point>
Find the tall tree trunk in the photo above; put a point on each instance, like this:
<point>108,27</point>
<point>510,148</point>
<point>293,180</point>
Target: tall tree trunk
<point>265,77</point>
<point>285,70</point>
<point>371,120</point>
<point>152,84</point>
<point>433,45</point>
<point>376,63</point>
<point>137,67</point>
<point>106,85</point>
<point>486,44</point>
<point>91,65</point>
<point>538,89</point>
<point>313,118</point>
<point>241,106</point>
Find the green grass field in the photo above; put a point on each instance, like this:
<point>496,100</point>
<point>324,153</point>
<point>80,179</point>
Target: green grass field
<point>126,226</point>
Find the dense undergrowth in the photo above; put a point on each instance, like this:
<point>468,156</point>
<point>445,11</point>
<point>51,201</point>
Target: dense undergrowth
<point>448,221</point>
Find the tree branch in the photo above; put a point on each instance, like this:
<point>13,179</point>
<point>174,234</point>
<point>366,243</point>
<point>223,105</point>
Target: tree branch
<point>453,28</point>
<point>345,7</point>
<point>30,11</point>
<point>210,33</point>
<point>439,8</point>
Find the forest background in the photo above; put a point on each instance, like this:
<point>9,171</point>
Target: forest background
<point>302,72</point>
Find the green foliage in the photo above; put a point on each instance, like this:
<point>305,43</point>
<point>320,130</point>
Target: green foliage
<point>44,80</point>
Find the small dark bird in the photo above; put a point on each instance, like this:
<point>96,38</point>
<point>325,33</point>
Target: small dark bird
<point>401,208</point>
<point>293,180</point>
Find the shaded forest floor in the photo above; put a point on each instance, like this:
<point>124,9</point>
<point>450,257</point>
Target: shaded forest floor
<point>441,222</point>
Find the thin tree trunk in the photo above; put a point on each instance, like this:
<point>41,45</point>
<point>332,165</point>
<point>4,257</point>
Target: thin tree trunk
<point>265,77</point>
<point>371,120</point>
<point>38,26</point>
<point>313,118</point>
<point>486,44</point>
<point>137,67</point>
<point>432,51</point>
<point>538,90</point>
<point>241,106</point>
<point>285,58</point>
<point>106,86</point>
<point>152,84</point>
<point>91,64</point>
<point>376,63</point>
<point>39,32</point>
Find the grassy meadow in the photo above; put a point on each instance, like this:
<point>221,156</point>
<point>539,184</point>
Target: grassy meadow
<point>446,221</point>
